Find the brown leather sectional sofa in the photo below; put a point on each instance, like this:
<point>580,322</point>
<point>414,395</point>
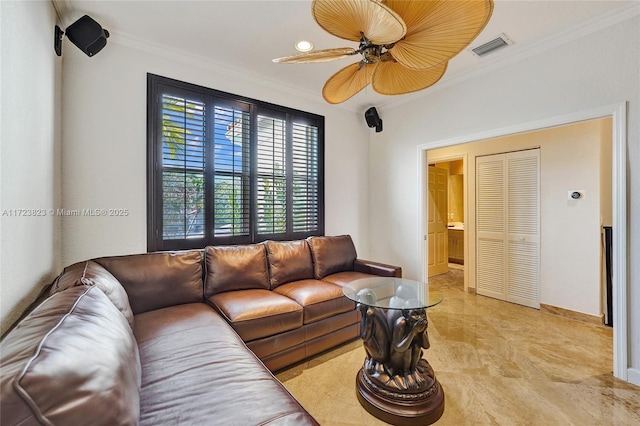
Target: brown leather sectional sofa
<point>163,338</point>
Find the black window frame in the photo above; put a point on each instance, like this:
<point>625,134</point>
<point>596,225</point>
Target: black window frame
<point>156,87</point>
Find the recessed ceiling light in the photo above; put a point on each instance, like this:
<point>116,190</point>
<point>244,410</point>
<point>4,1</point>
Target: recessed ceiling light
<point>304,46</point>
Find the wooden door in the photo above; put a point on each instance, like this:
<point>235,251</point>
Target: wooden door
<point>437,243</point>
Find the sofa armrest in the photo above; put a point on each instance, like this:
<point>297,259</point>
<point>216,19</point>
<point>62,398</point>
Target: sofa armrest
<point>376,268</point>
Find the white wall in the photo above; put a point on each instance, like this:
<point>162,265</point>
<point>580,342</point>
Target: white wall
<point>570,250</point>
<point>30,150</point>
<point>104,150</point>
<point>570,229</point>
<point>600,69</point>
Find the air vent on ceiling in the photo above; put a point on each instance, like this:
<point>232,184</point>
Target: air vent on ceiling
<point>499,42</point>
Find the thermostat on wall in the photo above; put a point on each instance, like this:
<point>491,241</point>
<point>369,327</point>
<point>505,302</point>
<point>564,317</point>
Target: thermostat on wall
<point>576,194</point>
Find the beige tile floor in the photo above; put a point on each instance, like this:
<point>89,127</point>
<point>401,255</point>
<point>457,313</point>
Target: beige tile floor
<point>499,364</point>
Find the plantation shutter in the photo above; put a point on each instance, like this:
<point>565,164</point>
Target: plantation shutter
<point>305,177</point>
<point>231,161</point>
<point>224,169</point>
<point>272,175</point>
<point>183,166</point>
<point>288,181</point>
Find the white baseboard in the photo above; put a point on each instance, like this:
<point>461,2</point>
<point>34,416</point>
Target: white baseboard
<point>633,376</point>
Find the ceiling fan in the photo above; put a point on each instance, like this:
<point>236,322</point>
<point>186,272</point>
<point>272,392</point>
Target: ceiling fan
<point>405,45</point>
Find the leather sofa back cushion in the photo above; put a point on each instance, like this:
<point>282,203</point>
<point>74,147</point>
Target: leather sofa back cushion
<point>92,274</point>
<point>332,254</point>
<point>158,280</point>
<point>73,360</point>
<point>239,267</point>
<point>288,261</point>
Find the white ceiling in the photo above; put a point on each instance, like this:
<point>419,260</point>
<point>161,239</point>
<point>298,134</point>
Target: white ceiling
<point>244,35</point>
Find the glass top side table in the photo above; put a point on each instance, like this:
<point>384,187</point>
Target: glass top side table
<point>392,293</point>
<point>396,384</point>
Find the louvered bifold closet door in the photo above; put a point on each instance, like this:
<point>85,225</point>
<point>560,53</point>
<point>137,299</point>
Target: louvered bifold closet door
<point>508,227</point>
<point>490,226</point>
<point>523,241</point>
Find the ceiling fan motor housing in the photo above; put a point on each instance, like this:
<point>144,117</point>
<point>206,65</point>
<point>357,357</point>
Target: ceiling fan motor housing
<point>371,54</point>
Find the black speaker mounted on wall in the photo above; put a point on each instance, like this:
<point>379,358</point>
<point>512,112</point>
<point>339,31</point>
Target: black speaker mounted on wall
<point>85,33</point>
<point>373,119</point>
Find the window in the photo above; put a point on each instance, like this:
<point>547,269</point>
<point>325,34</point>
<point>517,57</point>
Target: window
<point>223,169</point>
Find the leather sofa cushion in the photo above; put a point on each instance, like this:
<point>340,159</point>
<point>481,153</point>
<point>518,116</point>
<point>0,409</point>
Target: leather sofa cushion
<point>74,345</point>
<point>257,313</point>
<point>93,274</point>
<point>238,267</point>
<point>343,278</point>
<point>198,371</point>
<point>158,280</point>
<point>332,254</point>
<point>319,299</point>
<point>288,261</point>
<point>332,324</point>
<point>278,342</point>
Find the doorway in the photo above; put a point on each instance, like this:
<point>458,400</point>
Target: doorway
<point>618,190</point>
<point>446,209</point>
<point>515,182</point>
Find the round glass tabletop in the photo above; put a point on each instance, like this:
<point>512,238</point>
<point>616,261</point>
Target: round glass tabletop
<point>392,293</point>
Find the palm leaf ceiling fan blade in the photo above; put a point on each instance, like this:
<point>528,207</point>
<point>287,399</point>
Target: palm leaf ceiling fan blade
<point>437,30</point>
<point>393,78</point>
<point>324,55</point>
<point>347,19</point>
<point>405,44</point>
<point>347,82</point>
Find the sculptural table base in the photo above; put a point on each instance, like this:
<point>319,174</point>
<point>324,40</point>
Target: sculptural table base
<point>418,410</point>
<point>395,383</point>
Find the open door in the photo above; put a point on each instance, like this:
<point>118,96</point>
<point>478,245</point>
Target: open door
<point>437,249</point>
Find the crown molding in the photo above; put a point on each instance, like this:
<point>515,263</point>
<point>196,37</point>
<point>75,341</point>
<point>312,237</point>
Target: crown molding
<point>204,62</point>
<point>64,8</point>
<point>570,34</point>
